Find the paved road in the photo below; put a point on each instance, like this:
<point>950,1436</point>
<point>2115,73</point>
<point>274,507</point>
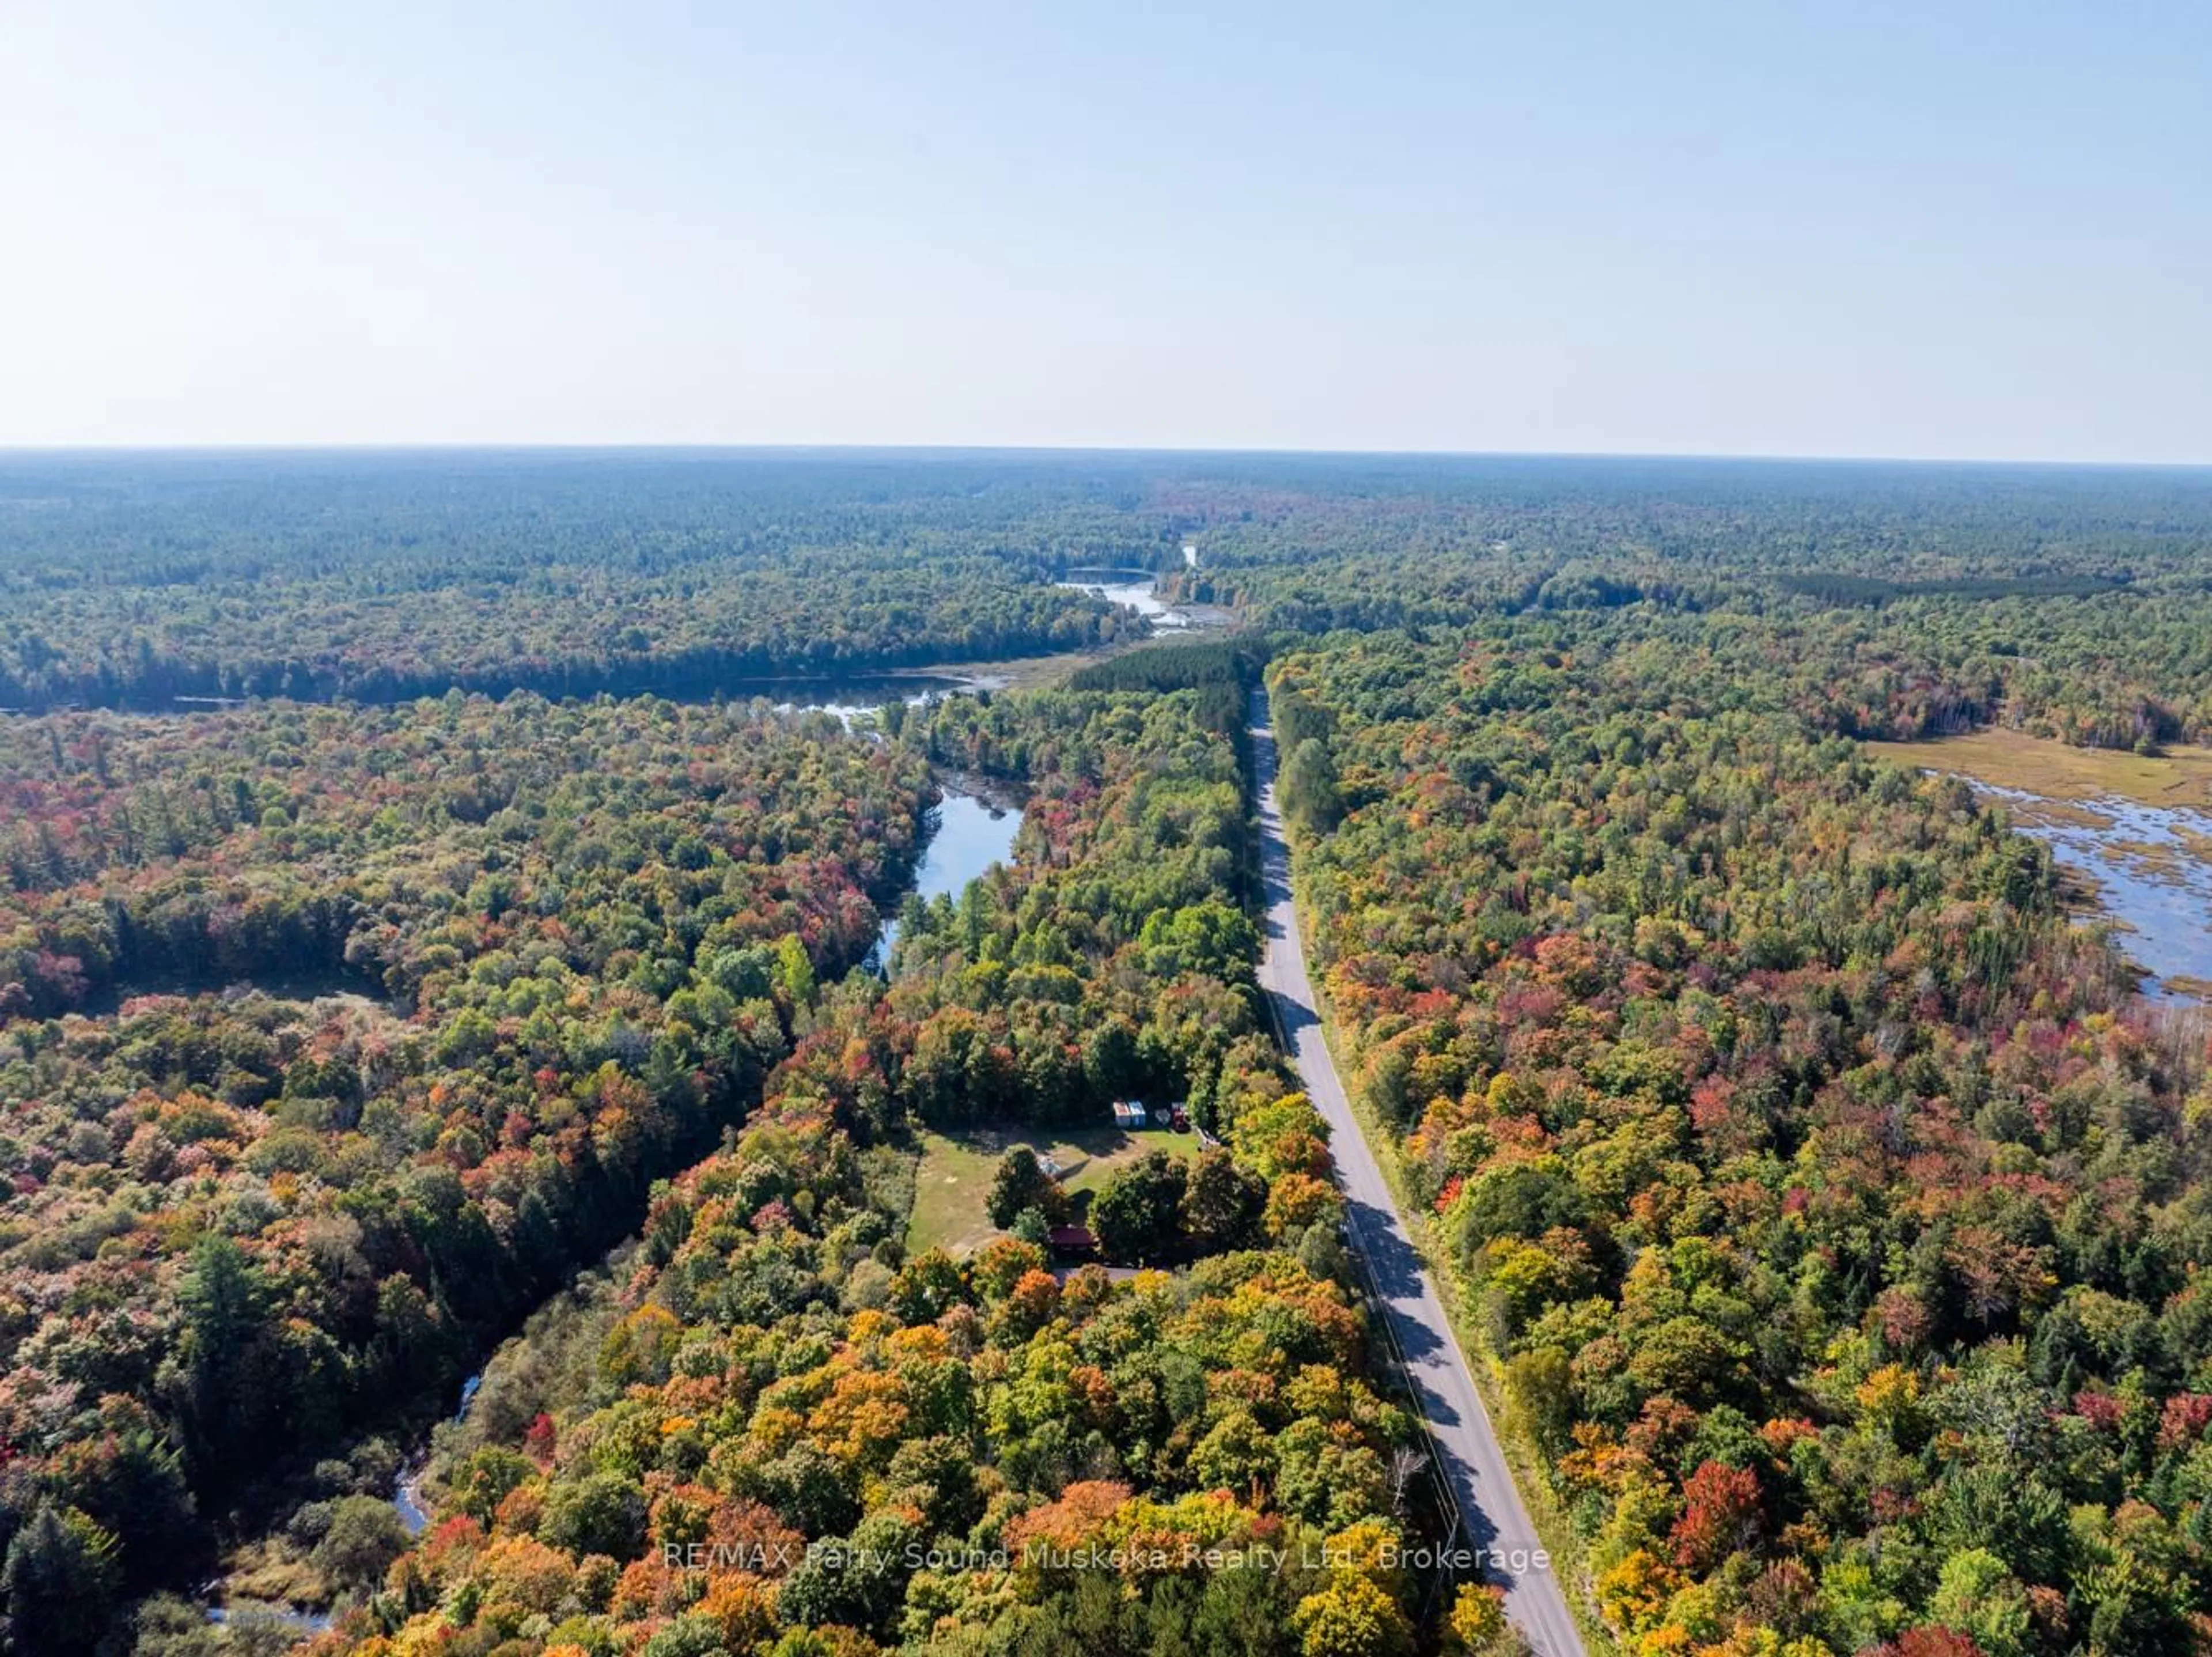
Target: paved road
<point>1491,1509</point>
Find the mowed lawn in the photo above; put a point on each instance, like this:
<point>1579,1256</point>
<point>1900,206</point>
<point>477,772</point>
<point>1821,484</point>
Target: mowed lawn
<point>953,1180</point>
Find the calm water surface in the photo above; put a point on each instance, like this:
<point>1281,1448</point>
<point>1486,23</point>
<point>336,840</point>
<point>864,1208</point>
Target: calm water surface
<point>2152,868</point>
<point>846,696</point>
<point>967,835</point>
<point>968,831</point>
<point>1133,587</point>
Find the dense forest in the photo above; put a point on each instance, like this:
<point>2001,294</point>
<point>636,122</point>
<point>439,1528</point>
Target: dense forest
<point>421,935</point>
<point>1835,1210</point>
<point>2076,599</point>
<point>790,1432</point>
<point>381,578</point>
<point>336,1038</point>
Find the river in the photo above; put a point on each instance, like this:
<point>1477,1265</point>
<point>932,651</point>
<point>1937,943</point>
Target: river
<point>971,828</point>
<point>968,831</point>
<point>1136,588</point>
<point>968,834</point>
<point>847,696</point>
<point>843,694</point>
<point>972,824</point>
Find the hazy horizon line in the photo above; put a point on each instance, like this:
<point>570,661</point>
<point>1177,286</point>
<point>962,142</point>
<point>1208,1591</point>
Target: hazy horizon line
<point>683,446</point>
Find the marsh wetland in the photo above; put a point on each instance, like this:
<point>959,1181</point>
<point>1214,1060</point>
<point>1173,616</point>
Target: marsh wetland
<point>2134,829</point>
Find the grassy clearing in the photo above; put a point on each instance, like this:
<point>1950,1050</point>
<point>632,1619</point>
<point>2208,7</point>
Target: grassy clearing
<point>2013,760</point>
<point>1042,672</point>
<point>1019,673</point>
<point>271,1571</point>
<point>953,1179</point>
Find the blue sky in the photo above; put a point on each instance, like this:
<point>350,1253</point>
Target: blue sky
<point>1922,230</point>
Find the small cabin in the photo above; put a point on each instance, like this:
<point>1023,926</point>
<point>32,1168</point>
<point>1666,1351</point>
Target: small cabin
<point>1076,1242</point>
